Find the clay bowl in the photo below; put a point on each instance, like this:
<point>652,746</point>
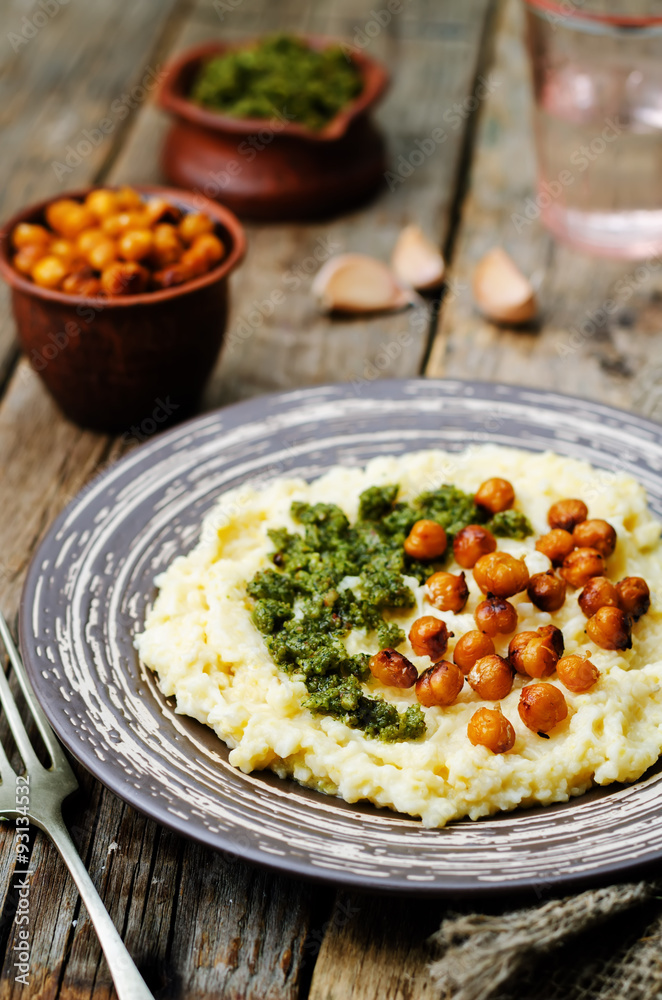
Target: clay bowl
<point>133,363</point>
<point>273,169</point>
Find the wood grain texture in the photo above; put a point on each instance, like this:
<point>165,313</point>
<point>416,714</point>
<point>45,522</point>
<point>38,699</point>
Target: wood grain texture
<point>596,334</point>
<point>376,948</point>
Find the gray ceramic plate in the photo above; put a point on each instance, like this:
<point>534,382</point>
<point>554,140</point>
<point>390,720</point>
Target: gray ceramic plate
<point>92,579</point>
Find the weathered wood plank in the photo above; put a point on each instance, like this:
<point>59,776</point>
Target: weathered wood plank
<point>598,317</point>
<point>376,948</point>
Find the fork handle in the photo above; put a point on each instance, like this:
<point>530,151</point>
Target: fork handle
<point>129,984</point>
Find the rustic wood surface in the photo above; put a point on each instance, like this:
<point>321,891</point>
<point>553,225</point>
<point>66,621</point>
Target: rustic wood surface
<point>201,924</point>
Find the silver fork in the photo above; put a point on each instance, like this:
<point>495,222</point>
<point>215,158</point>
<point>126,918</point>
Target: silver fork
<point>47,790</point>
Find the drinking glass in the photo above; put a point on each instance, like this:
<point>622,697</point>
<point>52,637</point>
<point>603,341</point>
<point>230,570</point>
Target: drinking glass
<point>597,81</point>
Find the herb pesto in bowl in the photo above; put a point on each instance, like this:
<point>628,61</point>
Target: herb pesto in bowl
<point>279,76</point>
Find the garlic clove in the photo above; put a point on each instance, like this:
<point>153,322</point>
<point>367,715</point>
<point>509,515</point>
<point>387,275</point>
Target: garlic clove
<point>417,261</point>
<point>357,283</point>
<point>501,291</point>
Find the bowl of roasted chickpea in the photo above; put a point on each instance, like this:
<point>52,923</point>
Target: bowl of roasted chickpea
<point>120,297</point>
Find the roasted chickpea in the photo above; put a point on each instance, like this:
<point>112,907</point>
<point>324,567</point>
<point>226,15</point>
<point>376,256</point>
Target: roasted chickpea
<point>115,225</point>
<point>566,514</point>
<point>471,543</point>
<point>595,534</point>
<point>495,495</point>
<point>538,658</point>
<point>553,636</point>
<point>160,210</point>
<point>447,591</point>
<point>598,593</point>
<point>209,247</point>
<point>542,707</point>
<point>73,220</point>
<point>610,628</point>
<point>426,540</point>
<point>82,282</point>
<point>25,234</point>
<point>501,574</point>
<point>470,648</point>
<point>581,565</point>
<point>58,210</point>
<point>89,239</point>
<point>491,677</point>
<point>496,616</point>
<point>168,247</point>
<point>102,255</point>
<point>135,244</point>
<point>66,249</point>
<point>174,274</point>
<point>546,591</point>
<point>577,673</point>
<point>206,251</point>
<point>49,271</point>
<point>124,278</point>
<point>26,258</point>
<point>556,545</point>
<point>633,596</point>
<point>102,203</point>
<point>195,224</point>
<point>393,669</point>
<point>515,647</point>
<point>429,637</point>
<point>439,684</point>
<point>488,727</point>
<point>128,198</point>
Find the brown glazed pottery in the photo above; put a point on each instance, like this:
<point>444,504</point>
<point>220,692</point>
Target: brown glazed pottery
<point>273,169</point>
<point>114,364</point>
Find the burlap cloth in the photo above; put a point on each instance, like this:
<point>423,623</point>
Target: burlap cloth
<point>602,944</point>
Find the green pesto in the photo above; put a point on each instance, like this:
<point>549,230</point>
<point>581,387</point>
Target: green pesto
<point>510,524</point>
<point>310,570</point>
<point>279,76</point>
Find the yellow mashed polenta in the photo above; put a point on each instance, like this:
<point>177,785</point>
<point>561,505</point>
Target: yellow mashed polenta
<point>200,640</point>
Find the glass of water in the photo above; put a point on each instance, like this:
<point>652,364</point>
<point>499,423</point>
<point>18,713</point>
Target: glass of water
<point>597,79</point>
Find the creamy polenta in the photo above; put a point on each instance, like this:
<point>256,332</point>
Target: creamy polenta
<point>201,640</point>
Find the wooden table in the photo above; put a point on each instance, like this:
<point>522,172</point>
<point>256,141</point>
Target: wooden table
<point>200,924</point>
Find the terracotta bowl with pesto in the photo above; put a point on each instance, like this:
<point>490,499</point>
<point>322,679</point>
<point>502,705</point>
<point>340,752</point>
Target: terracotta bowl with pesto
<point>112,362</point>
<point>273,169</point>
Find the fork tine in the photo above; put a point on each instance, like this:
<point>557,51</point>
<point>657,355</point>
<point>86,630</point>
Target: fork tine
<point>13,717</point>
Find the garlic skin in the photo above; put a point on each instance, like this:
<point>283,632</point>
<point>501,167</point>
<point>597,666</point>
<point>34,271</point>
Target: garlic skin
<point>357,283</point>
<point>417,262</point>
<point>501,291</point>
